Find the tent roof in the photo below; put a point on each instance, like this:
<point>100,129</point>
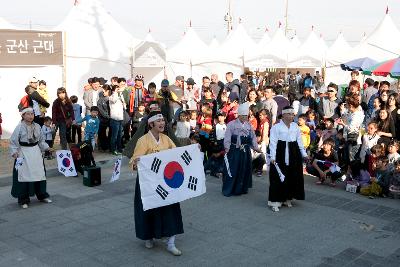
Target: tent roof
<point>238,43</point>
<point>265,39</point>
<point>382,43</point>
<point>310,53</point>
<point>295,41</point>
<point>339,51</point>
<point>190,48</point>
<point>89,23</point>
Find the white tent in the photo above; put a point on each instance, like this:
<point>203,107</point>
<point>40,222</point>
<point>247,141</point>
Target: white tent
<point>214,43</point>
<point>295,41</point>
<point>339,51</point>
<point>96,45</point>
<point>238,45</point>
<point>382,43</point>
<point>310,54</point>
<point>274,54</point>
<point>188,50</point>
<point>265,39</point>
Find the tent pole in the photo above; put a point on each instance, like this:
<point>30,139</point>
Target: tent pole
<point>131,62</point>
<point>64,66</point>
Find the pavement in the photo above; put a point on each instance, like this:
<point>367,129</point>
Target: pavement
<point>94,226</point>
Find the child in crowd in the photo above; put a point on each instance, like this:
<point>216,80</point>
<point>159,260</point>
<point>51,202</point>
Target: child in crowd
<point>357,175</point>
<point>151,94</point>
<point>393,154</point>
<point>252,117</point>
<point>183,129</point>
<point>193,120</point>
<point>328,132</point>
<point>376,152</point>
<point>42,90</point>
<point>324,164</point>
<point>304,130</point>
<point>205,126</point>
<point>92,125</point>
<point>369,140</point>
<point>138,116</point>
<point>76,128</point>
<point>48,131</point>
<point>216,160</point>
<point>312,124</point>
<point>258,158</point>
<point>381,182</point>
<point>208,99</point>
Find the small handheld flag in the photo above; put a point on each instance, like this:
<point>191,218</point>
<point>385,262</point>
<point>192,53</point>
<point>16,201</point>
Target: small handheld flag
<point>65,163</point>
<point>116,170</point>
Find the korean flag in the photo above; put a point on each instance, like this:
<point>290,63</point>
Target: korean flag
<point>171,176</point>
<point>65,163</point>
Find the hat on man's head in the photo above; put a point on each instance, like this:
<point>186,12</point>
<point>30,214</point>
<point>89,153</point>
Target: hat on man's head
<point>179,78</point>
<point>139,77</point>
<point>190,81</point>
<point>243,109</point>
<point>33,80</point>
<point>164,83</point>
<point>130,82</point>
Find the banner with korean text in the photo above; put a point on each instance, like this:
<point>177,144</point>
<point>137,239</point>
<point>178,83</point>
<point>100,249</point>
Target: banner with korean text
<point>30,48</point>
<point>171,176</point>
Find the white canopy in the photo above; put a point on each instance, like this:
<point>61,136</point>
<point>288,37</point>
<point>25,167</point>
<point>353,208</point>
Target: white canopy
<point>238,44</point>
<point>274,54</point>
<point>188,50</point>
<point>295,41</point>
<point>310,54</point>
<point>265,39</point>
<point>214,43</point>
<point>382,43</point>
<point>339,51</point>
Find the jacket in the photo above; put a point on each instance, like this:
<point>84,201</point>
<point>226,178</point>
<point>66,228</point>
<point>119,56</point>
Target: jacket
<point>117,106</point>
<point>104,108</point>
<point>59,110</point>
<point>244,87</point>
<point>234,89</point>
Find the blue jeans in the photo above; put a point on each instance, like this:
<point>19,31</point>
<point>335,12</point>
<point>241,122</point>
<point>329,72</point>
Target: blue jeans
<point>116,134</point>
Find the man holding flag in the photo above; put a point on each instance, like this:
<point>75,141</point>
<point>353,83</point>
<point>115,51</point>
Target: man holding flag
<point>165,221</point>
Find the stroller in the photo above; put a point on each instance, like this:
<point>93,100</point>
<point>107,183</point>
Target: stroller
<point>82,154</point>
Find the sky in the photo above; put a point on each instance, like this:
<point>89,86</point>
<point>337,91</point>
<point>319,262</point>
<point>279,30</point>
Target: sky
<point>168,19</point>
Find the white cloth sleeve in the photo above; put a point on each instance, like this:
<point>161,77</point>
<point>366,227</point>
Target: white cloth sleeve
<point>273,140</point>
<point>14,142</point>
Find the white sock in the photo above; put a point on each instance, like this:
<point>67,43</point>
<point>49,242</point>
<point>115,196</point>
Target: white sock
<point>171,242</point>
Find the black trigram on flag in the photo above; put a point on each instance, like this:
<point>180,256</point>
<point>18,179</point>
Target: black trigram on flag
<point>155,166</point>
<point>61,155</point>
<point>192,185</point>
<point>62,169</point>
<point>71,169</point>
<point>186,158</point>
<point>68,155</point>
<point>162,192</point>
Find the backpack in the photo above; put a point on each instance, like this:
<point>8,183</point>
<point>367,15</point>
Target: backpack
<point>24,103</point>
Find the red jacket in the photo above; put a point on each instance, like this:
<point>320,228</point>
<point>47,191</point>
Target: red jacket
<point>59,110</point>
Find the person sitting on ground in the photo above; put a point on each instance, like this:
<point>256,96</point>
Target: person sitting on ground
<point>323,161</point>
<point>379,185</point>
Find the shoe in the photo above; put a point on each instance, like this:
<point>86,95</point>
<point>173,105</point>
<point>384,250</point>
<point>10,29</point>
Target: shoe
<point>46,200</point>
<point>288,203</point>
<point>319,182</point>
<point>24,206</point>
<point>275,209</point>
<point>219,175</point>
<point>149,243</point>
<point>174,251</point>
<point>259,174</point>
<point>116,153</point>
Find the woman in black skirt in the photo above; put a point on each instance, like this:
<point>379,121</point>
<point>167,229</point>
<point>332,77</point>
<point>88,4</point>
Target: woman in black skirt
<point>286,151</point>
<point>159,222</point>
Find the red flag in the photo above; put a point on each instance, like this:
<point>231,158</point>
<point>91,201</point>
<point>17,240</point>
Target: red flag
<point>280,24</point>
<point>312,27</point>
<point>190,23</point>
<point>266,29</point>
<point>76,2</point>
<point>387,9</point>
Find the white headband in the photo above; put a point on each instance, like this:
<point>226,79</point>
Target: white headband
<point>288,111</point>
<point>155,117</point>
<point>26,110</point>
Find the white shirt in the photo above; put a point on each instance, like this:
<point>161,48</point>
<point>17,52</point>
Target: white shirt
<point>182,129</point>
<point>220,130</point>
<point>368,141</point>
<point>95,97</point>
<point>280,132</point>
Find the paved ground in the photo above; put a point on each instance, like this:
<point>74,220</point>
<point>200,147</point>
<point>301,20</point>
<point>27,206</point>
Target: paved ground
<point>94,227</point>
